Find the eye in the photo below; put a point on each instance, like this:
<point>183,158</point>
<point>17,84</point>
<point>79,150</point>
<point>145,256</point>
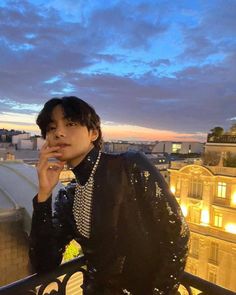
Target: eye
<point>71,123</point>
<point>50,128</point>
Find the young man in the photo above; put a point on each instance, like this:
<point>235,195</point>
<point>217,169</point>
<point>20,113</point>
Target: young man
<point>129,225</point>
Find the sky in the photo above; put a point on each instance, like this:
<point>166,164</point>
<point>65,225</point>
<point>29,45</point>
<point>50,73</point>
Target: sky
<point>153,70</point>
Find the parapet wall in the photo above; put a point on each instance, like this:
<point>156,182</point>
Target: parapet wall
<point>14,261</point>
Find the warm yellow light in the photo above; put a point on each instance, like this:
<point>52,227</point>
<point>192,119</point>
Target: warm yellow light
<point>231,228</point>
<point>184,209</point>
<point>205,217</point>
<point>234,198</point>
<point>172,188</point>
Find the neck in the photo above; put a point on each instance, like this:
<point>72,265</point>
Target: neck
<point>75,162</point>
<point>83,170</point>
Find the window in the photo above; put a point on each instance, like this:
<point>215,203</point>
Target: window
<point>218,219</point>
<point>176,147</point>
<point>212,276</point>
<point>194,247</point>
<point>221,190</point>
<point>189,149</point>
<point>192,268</point>
<point>195,189</point>
<point>214,251</point>
<point>195,215</point>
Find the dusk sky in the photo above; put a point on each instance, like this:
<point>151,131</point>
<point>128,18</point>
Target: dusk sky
<point>153,70</point>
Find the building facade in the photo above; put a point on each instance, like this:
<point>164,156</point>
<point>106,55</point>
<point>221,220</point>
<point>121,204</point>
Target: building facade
<point>124,146</point>
<point>207,196</point>
<point>17,138</point>
<point>173,147</point>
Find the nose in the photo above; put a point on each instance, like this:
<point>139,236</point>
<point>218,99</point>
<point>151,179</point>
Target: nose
<point>59,132</point>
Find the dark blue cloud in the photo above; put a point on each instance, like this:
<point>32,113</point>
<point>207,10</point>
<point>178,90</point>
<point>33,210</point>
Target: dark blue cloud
<point>164,65</point>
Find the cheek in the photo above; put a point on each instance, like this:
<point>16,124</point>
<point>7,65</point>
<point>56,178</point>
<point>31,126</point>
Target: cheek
<point>50,143</point>
<point>49,140</point>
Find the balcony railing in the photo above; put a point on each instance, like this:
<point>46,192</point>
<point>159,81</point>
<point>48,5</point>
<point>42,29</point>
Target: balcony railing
<point>226,138</point>
<point>37,284</point>
<point>227,171</point>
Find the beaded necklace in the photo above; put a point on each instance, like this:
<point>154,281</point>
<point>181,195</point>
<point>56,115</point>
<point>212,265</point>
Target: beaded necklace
<point>83,201</point>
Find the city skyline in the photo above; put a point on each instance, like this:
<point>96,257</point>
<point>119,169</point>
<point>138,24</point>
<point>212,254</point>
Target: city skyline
<point>153,70</point>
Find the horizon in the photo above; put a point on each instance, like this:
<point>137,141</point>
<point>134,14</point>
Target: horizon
<point>130,140</point>
<point>151,70</point>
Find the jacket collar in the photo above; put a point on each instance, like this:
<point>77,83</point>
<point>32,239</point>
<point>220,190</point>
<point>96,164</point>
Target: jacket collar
<point>84,169</point>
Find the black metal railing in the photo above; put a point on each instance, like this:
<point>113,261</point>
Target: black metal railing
<point>37,284</point>
<point>190,281</point>
<point>226,138</point>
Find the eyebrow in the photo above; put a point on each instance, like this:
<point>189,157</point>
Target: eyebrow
<point>63,118</point>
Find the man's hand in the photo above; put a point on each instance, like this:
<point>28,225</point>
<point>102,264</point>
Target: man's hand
<point>48,171</point>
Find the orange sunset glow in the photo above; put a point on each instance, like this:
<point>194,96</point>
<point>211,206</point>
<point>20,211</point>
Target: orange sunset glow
<point>119,132</point>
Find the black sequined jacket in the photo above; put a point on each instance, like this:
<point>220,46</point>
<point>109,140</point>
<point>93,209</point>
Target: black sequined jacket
<point>139,238</point>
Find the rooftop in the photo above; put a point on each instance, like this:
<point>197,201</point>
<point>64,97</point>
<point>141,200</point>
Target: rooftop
<point>215,170</point>
<point>225,138</point>
<point>18,186</point>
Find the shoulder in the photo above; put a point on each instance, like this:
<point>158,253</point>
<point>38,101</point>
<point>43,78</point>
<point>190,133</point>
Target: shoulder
<point>128,156</point>
<point>138,160</point>
<point>139,164</point>
<point>113,157</point>
<point>131,161</point>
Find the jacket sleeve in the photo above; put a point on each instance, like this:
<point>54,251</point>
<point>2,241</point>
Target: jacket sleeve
<point>50,233</point>
<point>168,232</point>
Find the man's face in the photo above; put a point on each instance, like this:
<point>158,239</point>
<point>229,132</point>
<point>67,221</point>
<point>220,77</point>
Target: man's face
<point>74,140</point>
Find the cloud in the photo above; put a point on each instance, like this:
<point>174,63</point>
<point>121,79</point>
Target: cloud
<point>185,103</point>
<point>214,32</point>
<point>160,66</point>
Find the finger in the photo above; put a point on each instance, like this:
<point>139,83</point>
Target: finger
<point>44,160</point>
<point>50,153</point>
<point>45,157</point>
<point>45,145</point>
<point>50,148</point>
<point>55,165</point>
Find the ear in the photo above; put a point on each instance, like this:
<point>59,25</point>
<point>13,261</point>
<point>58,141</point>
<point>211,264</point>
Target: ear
<point>94,134</point>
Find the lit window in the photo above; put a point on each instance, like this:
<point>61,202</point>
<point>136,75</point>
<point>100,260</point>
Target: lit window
<point>205,217</point>
<point>231,228</point>
<point>184,209</point>
<point>221,190</point>
<point>189,149</point>
<point>176,147</point>
<point>195,189</point>
<point>233,199</point>
<point>214,252</point>
<point>218,219</point>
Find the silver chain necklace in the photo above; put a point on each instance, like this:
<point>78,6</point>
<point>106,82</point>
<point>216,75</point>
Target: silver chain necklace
<point>82,203</point>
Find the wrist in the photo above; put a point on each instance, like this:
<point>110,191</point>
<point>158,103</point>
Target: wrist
<point>42,196</point>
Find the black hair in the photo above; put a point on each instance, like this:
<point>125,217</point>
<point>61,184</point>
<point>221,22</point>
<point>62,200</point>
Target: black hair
<point>76,110</point>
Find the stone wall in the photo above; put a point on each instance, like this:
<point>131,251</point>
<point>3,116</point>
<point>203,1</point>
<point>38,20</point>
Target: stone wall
<point>14,262</point>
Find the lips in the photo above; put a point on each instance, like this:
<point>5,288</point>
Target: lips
<point>63,145</point>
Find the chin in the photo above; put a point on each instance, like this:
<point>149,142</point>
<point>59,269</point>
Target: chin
<point>62,158</point>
